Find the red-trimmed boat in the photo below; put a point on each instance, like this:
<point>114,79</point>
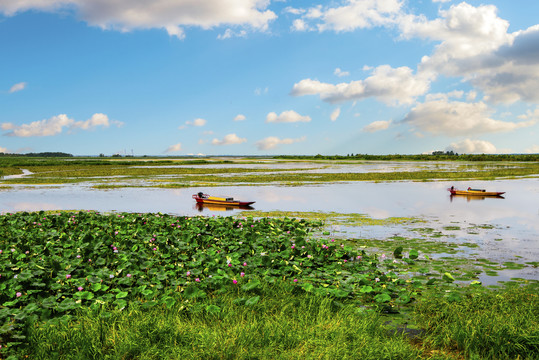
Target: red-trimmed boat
<point>474,192</point>
<point>202,198</point>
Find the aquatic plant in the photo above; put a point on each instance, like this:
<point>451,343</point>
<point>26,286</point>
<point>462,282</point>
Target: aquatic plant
<point>53,263</point>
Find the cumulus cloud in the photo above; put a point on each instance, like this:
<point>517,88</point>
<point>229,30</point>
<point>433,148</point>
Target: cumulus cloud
<point>173,16</point>
<point>197,122</point>
<point>476,46</point>
<point>240,117</point>
<point>468,146</point>
<point>174,148</point>
<point>230,139</point>
<point>55,125</point>
<point>229,33</point>
<point>17,87</point>
<point>341,73</point>
<point>352,15</point>
<point>534,149</point>
<point>289,116</point>
<point>3,150</point>
<point>390,85</point>
<point>455,118</point>
<point>335,114</point>
<point>377,126</point>
<point>299,25</point>
<point>272,141</point>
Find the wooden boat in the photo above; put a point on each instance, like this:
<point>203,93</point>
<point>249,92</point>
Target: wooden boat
<point>474,192</point>
<point>207,199</point>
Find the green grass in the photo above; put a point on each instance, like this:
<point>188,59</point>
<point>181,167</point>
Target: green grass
<point>487,325</point>
<point>283,324</point>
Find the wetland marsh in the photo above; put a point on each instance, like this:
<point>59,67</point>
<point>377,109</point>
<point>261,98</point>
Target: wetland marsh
<point>418,239</point>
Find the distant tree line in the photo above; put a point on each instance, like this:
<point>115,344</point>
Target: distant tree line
<point>435,156</point>
<point>41,154</point>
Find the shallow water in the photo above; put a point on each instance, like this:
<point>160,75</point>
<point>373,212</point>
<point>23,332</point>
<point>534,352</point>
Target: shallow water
<point>506,229</point>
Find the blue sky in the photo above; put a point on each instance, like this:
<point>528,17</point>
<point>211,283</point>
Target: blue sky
<point>261,77</point>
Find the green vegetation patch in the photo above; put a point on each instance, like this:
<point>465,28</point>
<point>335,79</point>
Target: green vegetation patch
<point>90,283</point>
<point>333,218</point>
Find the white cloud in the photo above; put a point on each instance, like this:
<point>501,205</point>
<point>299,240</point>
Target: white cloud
<point>174,148</point>
<point>272,141</point>
<point>294,11</point>
<point>55,125</point>
<point>230,139</point>
<point>240,117</point>
<point>229,33</point>
<point>377,126</point>
<point>341,73</point>
<point>468,146</point>
<point>534,149</point>
<point>260,91</point>
<point>197,122</point>
<point>387,84</point>
<point>299,25</point>
<point>440,117</point>
<point>17,87</point>
<point>128,15</point>
<point>289,116</point>
<point>476,46</point>
<point>3,150</point>
<point>335,114</point>
<point>444,96</point>
<point>354,14</point>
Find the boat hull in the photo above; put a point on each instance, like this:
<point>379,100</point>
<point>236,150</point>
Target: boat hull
<point>476,193</point>
<point>221,201</point>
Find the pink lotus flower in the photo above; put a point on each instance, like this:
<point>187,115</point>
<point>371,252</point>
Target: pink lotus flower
<point>197,280</point>
<point>235,281</point>
<point>18,294</point>
<point>295,280</point>
<point>128,275</point>
<point>244,264</point>
<point>80,288</point>
<point>242,274</point>
<point>68,276</point>
<point>188,273</point>
<point>229,264</point>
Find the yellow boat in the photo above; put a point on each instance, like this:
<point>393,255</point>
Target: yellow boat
<point>474,192</point>
<point>207,199</point>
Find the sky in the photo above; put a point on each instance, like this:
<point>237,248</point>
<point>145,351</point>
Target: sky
<point>269,77</point>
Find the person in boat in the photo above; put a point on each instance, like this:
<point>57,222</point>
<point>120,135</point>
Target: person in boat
<point>452,188</point>
<point>201,195</point>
